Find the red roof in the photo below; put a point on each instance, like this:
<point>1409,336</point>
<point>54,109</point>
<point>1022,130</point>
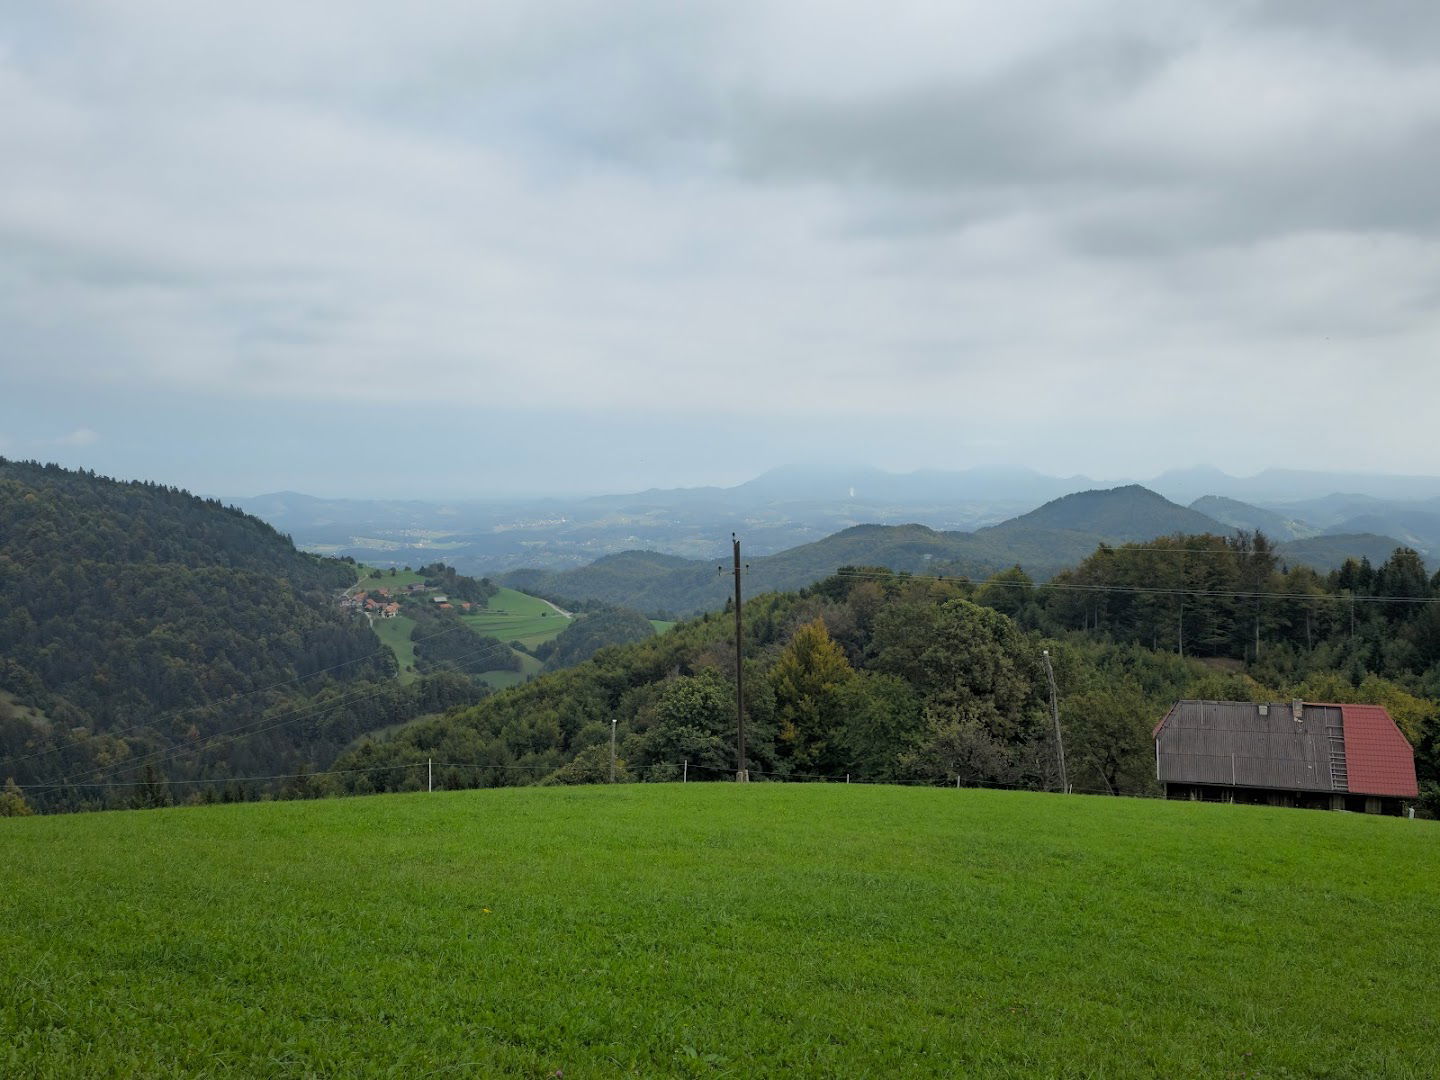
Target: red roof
<point>1378,758</point>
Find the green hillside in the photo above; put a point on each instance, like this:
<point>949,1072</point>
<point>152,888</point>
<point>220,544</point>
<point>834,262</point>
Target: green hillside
<point>717,930</point>
<point>149,634</point>
<point>1239,515</point>
<point>510,615</point>
<point>1330,552</point>
<point>1052,538</point>
<point>640,580</point>
<point>1119,514</point>
<point>1045,541</point>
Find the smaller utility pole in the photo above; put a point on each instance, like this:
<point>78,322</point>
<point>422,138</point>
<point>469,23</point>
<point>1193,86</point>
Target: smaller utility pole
<point>613,721</point>
<point>1055,713</point>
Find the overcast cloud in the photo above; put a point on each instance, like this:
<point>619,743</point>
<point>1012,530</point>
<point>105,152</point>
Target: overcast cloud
<point>1110,236</point>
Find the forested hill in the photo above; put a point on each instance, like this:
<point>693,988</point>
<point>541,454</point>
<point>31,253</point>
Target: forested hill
<point>1122,514</point>
<point>1045,541</point>
<point>1239,515</point>
<point>893,678</point>
<point>137,620</point>
<point>123,598</point>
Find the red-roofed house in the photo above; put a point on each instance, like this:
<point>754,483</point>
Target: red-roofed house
<point>1341,757</point>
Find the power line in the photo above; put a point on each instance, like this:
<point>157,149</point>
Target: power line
<point>1143,590</point>
<point>329,772</point>
<point>307,711</point>
<point>240,696</point>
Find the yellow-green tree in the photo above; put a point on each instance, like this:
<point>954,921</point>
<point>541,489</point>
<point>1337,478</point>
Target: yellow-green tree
<point>12,800</point>
<point>806,680</point>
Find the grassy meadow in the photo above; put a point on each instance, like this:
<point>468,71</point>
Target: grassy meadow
<point>394,634</point>
<point>517,616</point>
<point>386,580</point>
<point>722,931</point>
<point>503,680</point>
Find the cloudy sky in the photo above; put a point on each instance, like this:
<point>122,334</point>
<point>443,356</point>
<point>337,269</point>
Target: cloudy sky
<point>457,248</point>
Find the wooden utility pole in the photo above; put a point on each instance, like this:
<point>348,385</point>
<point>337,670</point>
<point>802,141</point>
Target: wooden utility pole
<point>742,775</point>
<point>1055,712</point>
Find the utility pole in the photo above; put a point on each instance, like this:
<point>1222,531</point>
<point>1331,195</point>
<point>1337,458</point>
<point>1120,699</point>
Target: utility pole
<point>1055,713</point>
<point>743,774</point>
<point>613,721</point>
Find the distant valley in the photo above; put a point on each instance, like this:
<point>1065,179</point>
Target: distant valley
<point>797,505</point>
<point>1045,541</point>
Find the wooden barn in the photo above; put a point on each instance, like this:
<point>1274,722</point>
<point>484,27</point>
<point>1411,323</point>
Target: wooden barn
<point>1298,753</point>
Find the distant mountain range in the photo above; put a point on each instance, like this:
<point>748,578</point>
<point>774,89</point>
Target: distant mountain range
<point>1046,540</point>
<point>795,505</point>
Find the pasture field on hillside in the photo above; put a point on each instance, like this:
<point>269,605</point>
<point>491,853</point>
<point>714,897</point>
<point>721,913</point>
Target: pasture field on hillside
<point>395,635</point>
<point>503,680</point>
<point>720,930</point>
<point>386,580</point>
<point>516,616</point>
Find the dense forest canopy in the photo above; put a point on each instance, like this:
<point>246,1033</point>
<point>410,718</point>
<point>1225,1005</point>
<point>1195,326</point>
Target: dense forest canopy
<point>144,630</point>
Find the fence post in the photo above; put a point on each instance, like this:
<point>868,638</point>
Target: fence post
<point>685,774</point>
<point>429,774</point>
<point>957,782</point>
<point>847,778</point>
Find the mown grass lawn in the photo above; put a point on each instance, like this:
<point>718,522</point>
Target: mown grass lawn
<point>720,930</point>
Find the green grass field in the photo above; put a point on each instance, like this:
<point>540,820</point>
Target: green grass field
<point>661,625</point>
<point>516,616</point>
<point>400,579</point>
<point>395,634</point>
<point>501,680</point>
<point>721,931</point>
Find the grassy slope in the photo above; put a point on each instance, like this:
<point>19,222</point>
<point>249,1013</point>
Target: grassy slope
<point>502,680</point>
<point>394,583</point>
<point>514,616</point>
<point>395,635</point>
<point>720,931</point>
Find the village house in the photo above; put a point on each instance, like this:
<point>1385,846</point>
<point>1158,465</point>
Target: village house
<point>1337,757</point>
